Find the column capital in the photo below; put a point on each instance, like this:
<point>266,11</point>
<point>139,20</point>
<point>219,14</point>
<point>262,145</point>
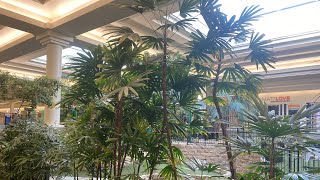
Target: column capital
<point>52,37</point>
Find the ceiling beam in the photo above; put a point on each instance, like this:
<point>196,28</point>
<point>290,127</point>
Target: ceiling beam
<point>41,1</point>
<point>21,49</point>
<point>101,16</point>
<point>21,24</point>
<point>26,58</point>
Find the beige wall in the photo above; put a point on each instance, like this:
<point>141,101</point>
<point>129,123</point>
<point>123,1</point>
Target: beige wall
<point>291,97</point>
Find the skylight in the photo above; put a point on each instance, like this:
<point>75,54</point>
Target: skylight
<point>281,18</point>
<point>66,53</point>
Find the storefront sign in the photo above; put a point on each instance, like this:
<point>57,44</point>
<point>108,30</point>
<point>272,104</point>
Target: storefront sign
<point>277,99</point>
<point>294,106</point>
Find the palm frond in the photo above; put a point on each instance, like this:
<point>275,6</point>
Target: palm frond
<point>248,15</point>
<point>84,68</point>
<point>187,7</point>
<point>232,74</point>
<point>199,47</point>
<point>181,24</point>
<point>153,42</point>
<point>259,54</point>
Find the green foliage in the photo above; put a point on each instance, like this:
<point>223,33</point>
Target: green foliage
<point>276,133</point>
<point>122,72</point>
<point>195,164</point>
<point>34,92</point>
<point>300,176</point>
<point>187,7</point>
<point>88,145</point>
<point>260,171</point>
<point>129,103</point>
<point>260,55</point>
<point>207,53</point>
<point>181,24</point>
<point>84,68</point>
<point>29,150</point>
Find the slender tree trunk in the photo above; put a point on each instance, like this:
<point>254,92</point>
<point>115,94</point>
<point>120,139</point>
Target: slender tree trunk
<point>124,158</point>
<point>153,167</point>
<point>165,100</point>
<point>272,161</point>
<point>115,160</point>
<point>20,106</point>
<point>223,125</point>
<point>97,173</point>
<point>111,167</point>
<point>105,170</point>
<point>165,123</point>
<point>74,171</point>
<point>119,114</point>
<point>139,166</point>
<point>100,169</point>
<point>92,171</point>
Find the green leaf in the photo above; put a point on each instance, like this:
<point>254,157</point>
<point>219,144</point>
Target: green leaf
<point>181,24</point>
<point>259,54</point>
<point>188,7</point>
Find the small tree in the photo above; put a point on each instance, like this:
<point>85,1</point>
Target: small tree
<point>277,133</point>
<point>33,92</point>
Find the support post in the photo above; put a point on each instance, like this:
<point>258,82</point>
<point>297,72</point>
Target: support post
<point>54,43</point>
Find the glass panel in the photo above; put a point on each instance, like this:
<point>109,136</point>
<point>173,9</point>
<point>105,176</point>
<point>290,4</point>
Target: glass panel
<point>282,18</point>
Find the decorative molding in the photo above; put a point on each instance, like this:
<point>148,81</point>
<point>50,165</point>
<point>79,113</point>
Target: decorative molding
<point>41,1</point>
<point>51,37</point>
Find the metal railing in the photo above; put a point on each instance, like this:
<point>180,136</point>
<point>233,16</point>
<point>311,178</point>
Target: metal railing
<point>212,137</point>
<point>289,161</point>
<point>297,161</point>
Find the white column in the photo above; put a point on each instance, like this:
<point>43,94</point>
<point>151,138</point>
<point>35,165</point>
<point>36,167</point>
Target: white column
<point>53,71</point>
<point>54,43</point>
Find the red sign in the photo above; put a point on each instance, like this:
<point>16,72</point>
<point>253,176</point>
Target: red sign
<point>277,99</point>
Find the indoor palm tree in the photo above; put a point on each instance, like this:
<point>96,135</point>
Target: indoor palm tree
<point>108,75</point>
<point>126,73</point>
<point>119,78</point>
<point>276,133</point>
<point>208,53</point>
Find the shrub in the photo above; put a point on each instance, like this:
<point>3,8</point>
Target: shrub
<point>30,150</point>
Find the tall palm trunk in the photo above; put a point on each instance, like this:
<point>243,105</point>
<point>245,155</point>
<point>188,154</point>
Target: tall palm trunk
<point>117,146</point>
<point>119,114</point>
<point>114,159</point>
<point>165,101</point>
<point>272,160</point>
<point>223,125</point>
